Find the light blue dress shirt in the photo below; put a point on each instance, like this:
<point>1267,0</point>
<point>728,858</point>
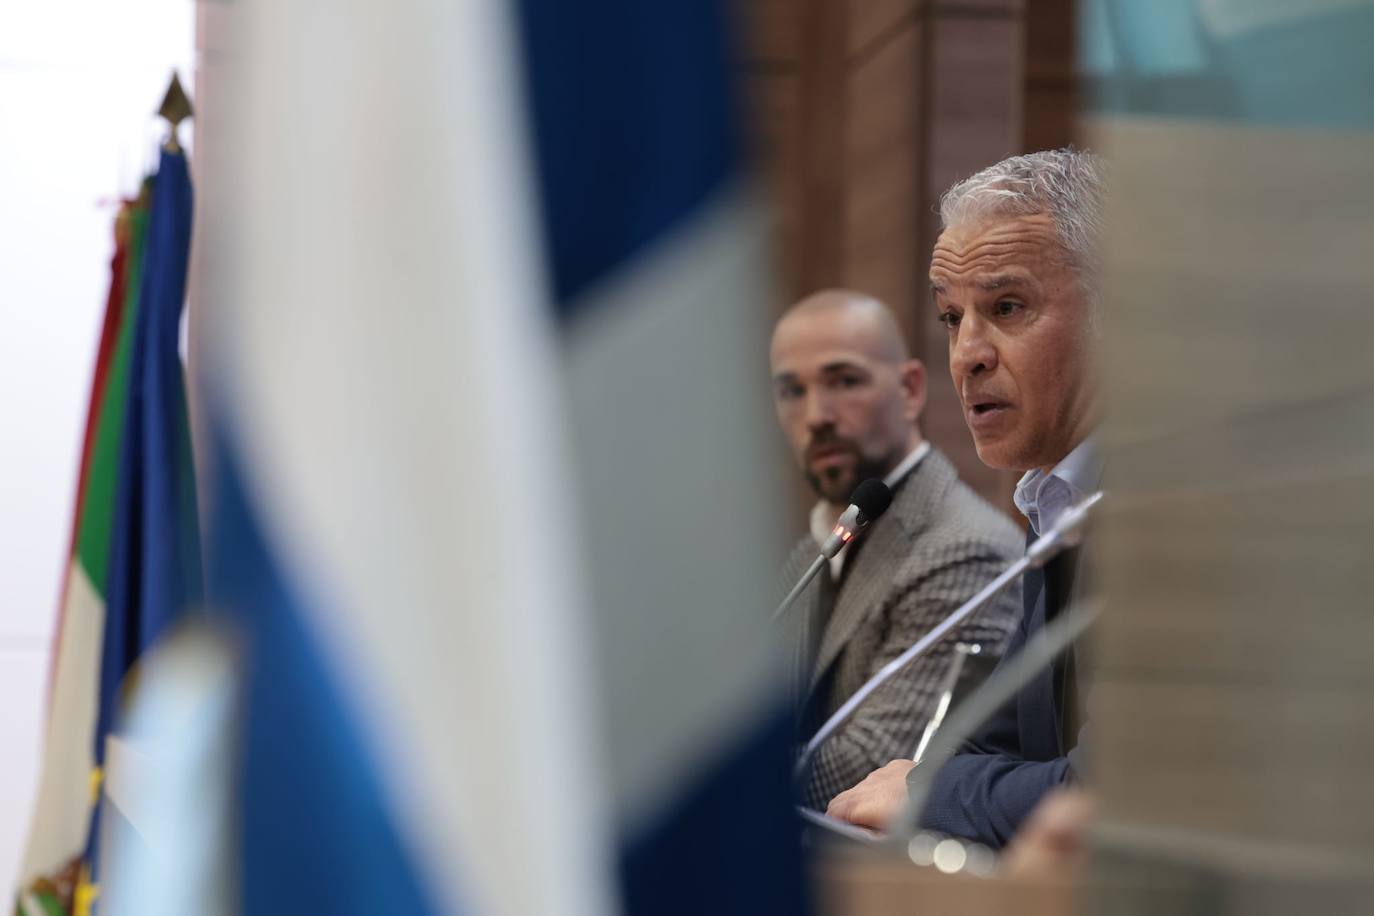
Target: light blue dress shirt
<point>1042,497</point>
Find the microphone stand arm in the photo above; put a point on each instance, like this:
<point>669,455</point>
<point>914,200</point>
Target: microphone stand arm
<point>811,571</point>
<point>849,526</point>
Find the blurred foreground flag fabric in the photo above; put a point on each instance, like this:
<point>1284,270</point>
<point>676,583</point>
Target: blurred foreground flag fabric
<point>493,510</point>
<point>135,566</point>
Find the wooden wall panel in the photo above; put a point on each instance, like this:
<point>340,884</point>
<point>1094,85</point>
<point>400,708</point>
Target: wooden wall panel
<point>882,145</point>
<point>871,22</point>
<point>771,30</point>
<point>863,112</point>
<point>972,8</point>
<point>821,122</point>
<point>1051,86</point>
<point>774,99</point>
<point>975,111</point>
<point>872,885</point>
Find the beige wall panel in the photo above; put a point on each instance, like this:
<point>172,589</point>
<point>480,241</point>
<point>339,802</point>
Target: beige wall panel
<point>1257,573</point>
<point>1264,258</point>
<point>876,886</point>
<point>1206,757</point>
<point>1234,703</point>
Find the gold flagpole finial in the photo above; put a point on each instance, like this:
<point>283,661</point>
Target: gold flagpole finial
<point>175,108</point>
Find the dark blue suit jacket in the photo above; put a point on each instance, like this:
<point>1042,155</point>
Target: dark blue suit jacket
<point>985,792</point>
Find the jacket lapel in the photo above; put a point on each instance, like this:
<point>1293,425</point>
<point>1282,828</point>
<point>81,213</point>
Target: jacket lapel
<point>887,544</point>
<point>813,610</point>
<point>799,622</point>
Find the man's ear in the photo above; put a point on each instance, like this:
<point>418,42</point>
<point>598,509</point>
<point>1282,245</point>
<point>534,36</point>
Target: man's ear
<point>913,374</point>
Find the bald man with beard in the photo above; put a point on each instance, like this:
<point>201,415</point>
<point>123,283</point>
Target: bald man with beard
<point>849,399</point>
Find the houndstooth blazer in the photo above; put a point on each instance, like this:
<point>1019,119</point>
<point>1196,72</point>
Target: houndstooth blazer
<point>933,549</point>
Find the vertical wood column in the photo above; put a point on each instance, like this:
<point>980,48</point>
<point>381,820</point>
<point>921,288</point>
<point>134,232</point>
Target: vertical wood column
<point>1051,80</point>
<point>883,157</point>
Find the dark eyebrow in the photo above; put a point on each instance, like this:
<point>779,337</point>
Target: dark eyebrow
<point>779,377</point>
<point>1001,281</point>
<point>841,366</point>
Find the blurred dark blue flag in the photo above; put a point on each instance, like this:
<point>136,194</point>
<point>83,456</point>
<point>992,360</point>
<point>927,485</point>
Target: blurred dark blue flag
<point>155,562</point>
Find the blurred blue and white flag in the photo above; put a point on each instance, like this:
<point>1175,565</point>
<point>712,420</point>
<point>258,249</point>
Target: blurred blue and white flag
<point>493,503</point>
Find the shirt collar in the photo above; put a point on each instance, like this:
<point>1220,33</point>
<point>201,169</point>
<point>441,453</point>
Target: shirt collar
<point>1041,497</point>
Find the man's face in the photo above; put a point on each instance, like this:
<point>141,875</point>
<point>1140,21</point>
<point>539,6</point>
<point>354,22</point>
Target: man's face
<point>1020,339</point>
<point>848,409</point>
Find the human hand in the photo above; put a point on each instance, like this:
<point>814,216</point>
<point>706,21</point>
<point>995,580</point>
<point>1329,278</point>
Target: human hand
<point>873,802</point>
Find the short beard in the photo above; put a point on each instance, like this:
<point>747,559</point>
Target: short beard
<point>836,488</point>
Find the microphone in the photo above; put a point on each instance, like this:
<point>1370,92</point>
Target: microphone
<point>869,500</point>
<point>1066,532</point>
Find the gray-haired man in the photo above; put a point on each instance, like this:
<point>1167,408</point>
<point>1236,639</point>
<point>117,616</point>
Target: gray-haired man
<point>1015,284</point>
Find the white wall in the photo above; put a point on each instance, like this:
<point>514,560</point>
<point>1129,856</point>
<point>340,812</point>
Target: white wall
<point>79,81</point>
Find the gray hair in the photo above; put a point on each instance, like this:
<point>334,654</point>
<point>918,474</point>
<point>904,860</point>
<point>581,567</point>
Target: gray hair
<point>1066,184</point>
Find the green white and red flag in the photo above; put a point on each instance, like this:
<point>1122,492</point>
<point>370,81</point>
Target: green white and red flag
<point>69,781</point>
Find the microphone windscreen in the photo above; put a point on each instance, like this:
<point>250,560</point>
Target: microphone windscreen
<point>872,497</point>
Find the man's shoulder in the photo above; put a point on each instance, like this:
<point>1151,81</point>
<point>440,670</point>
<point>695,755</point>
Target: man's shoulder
<point>959,516</point>
<point>970,515</point>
